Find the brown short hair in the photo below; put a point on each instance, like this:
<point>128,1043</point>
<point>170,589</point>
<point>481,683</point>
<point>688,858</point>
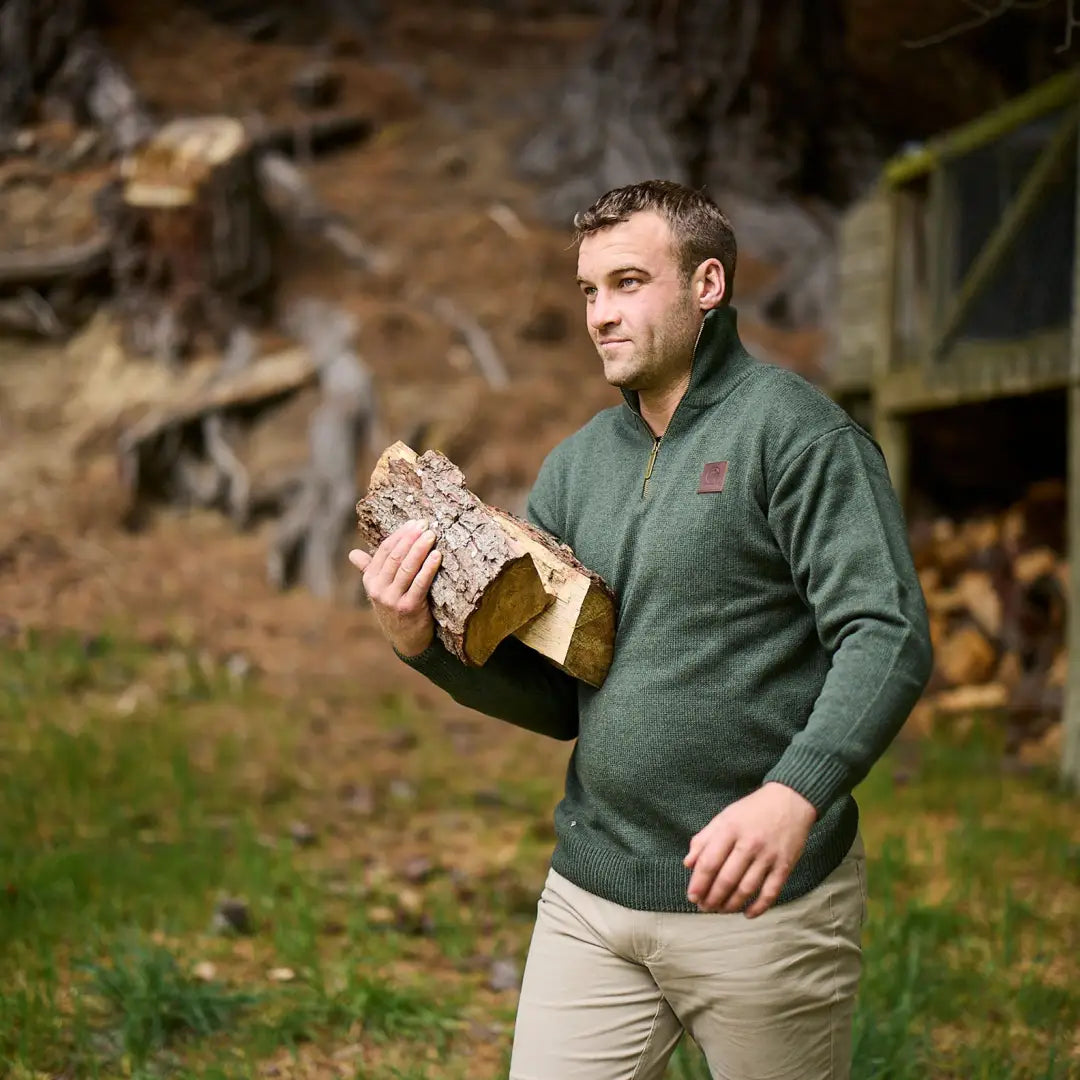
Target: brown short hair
<point>699,227</point>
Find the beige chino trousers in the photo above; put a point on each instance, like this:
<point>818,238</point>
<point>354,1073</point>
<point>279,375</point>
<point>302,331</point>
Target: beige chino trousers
<point>608,991</point>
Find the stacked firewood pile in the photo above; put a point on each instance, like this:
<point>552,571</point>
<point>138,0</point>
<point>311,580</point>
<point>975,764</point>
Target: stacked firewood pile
<point>996,588</point>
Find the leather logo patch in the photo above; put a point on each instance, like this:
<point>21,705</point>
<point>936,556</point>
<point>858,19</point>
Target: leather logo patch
<point>712,477</point>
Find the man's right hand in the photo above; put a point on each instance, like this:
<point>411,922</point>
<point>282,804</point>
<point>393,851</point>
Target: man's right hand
<point>397,579</point>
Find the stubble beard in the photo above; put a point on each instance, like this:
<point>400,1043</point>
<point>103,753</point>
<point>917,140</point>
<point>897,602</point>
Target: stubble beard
<point>663,358</point>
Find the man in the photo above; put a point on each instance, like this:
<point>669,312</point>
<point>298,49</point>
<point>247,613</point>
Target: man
<point>772,638</point>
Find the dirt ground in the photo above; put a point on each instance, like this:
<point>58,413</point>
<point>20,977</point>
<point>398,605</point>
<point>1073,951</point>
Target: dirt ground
<point>452,92</point>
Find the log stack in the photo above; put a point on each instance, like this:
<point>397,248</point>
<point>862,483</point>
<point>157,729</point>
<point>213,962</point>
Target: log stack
<point>996,588</point>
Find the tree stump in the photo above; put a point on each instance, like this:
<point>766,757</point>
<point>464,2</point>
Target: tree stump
<point>499,575</point>
<point>192,238</point>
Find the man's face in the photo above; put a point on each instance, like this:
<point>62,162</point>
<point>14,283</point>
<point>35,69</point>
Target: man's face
<point>640,308</point>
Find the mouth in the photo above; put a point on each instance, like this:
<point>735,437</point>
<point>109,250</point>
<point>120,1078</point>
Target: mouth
<point>612,341</point>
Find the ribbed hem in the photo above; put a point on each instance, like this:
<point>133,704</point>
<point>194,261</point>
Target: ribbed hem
<point>660,884</point>
<point>816,776</point>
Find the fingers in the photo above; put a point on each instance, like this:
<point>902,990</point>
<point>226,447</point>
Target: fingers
<point>421,583</point>
<point>727,879</point>
<point>710,859</point>
<point>387,574</point>
<point>769,891</point>
<point>748,885</point>
<point>413,560</point>
<point>389,547</point>
<point>401,569</point>
<point>697,845</point>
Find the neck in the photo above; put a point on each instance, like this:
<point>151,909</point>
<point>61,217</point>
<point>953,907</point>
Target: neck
<point>658,406</point>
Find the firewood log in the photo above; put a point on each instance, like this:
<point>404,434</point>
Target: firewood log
<point>966,656</point>
<point>499,575</point>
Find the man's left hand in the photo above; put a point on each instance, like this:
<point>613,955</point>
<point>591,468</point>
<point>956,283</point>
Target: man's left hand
<point>748,850</point>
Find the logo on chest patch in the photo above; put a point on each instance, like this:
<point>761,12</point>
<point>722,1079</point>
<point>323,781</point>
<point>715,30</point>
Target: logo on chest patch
<point>712,477</point>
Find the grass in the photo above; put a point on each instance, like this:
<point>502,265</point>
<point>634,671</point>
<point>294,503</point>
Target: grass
<point>139,787</point>
<point>152,1003</point>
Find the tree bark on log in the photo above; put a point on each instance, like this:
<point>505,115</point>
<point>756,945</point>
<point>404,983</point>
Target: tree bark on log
<point>488,585</point>
<point>191,238</point>
<point>495,569</point>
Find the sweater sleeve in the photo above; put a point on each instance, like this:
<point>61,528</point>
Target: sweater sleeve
<point>837,519</point>
<point>516,684</point>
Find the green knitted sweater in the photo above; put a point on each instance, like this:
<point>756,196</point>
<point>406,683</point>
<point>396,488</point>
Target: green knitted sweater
<point>770,626</point>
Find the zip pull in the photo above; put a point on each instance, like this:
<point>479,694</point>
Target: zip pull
<point>652,462</point>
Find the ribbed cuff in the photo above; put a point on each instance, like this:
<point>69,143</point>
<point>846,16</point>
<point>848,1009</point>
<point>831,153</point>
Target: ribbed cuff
<point>433,662</point>
<point>815,775</point>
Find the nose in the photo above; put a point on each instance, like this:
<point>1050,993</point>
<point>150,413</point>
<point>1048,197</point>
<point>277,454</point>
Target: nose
<point>602,312</point>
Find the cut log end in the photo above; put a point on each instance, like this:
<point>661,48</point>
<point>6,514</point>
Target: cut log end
<point>514,598</point>
<point>172,167</point>
<point>577,632</point>
<point>592,646</point>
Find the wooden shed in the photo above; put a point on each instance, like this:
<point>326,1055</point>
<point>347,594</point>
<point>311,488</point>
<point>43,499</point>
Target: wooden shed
<point>959,288</point>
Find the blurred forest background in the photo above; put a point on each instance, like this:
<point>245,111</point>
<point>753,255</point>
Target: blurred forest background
<point>243,246</point>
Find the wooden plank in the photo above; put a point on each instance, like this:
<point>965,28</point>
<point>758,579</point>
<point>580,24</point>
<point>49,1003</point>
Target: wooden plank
<point>1053,94</point>
<point>1070,761</point>
<point>939,259</point>
<point>280,373</point>
<point>1070,717</point>
<point>863,288</point>
<point>1031,193</point>
<point>979,371</point>
<point>886,329</point>
<point>910,289</point>
<point>891,433</point>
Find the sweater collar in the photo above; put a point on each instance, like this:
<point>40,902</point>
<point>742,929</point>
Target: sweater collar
<point>719,362</point>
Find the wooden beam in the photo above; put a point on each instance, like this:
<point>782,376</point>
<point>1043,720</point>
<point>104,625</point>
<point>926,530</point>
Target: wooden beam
<point>1070,761</point>
<point>887,315</point>
<point>1053,94</point>
<point>939,253</point>
<point>272,376</point>
<point>979,371</point>
<point>891,433</point>
<point>1034,187</point>
<point>1070,717</point>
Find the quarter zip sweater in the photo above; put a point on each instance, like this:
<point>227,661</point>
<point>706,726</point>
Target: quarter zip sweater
<point>770,624</point>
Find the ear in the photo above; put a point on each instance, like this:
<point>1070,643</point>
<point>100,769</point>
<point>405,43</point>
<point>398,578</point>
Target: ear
<point>709,284</point>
